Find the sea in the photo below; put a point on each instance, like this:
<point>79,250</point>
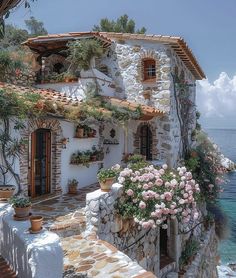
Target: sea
<point>226,140</point>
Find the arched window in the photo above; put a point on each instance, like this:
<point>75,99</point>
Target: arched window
<point>149,69</point>
<point>146,142</point>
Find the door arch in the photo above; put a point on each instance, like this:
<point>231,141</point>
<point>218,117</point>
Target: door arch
<point>146,142</point>
<point>40,162</point>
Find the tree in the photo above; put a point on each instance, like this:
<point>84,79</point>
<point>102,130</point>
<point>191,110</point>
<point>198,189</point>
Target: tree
<point>5,9</point>
<point>35,27</point>
<point>14,36</point>
<point>122,25</point>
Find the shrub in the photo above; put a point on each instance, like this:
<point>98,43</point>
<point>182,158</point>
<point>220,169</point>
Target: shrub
<point>152,195</point>
<point>20,202</point>
<point>190,250</point>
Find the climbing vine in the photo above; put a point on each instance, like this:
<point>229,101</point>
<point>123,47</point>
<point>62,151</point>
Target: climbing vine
<point>185,109</point>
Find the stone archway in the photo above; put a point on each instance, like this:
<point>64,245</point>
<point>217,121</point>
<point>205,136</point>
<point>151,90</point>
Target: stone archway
<point>138,135</point>
<point>56,147</point>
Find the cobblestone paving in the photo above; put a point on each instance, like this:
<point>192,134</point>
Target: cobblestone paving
<point>65,215</point>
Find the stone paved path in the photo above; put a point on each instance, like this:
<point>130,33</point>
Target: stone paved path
<point>65,215</point>
<point>5,271</point>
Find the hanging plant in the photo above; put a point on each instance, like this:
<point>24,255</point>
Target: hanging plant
<point>81,53</point>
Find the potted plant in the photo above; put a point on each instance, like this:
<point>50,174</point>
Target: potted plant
<point>21,205</point>
<point>36,223</point>
<point>93,156</point>
<point>106,178</point>
<point>80,131</point>
<point>73,186</point>
<point>85,158</point>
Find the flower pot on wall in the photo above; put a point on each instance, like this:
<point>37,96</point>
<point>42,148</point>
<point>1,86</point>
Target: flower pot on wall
<point>80,133</point>
<point>36,223</point>
<point>107,184</point>
<point>6,192</point>
<point>22,212</point>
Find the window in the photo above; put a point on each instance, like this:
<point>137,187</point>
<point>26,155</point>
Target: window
<point>149,69</point>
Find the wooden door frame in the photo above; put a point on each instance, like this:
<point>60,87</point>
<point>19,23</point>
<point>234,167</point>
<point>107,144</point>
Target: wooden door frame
<point>48,162</point>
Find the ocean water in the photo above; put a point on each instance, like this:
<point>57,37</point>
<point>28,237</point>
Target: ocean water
<point>226,140</point>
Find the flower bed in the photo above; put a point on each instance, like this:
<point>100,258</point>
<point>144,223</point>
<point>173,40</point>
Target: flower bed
<point>153,195</point>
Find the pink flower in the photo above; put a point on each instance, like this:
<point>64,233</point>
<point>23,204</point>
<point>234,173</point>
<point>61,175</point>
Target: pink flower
<point>159,182</point>
<point>196,215</point>
<point>146,225</point>
<point>145,186</point>
<point>168,196</point>
<point>185,195</point>
<point>130,192</point>
<point>165,166</point>
<point>142,205</point>
<point>181,201</point>
<point>162,171</point>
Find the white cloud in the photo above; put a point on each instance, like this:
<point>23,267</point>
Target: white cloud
<point>217,102</point>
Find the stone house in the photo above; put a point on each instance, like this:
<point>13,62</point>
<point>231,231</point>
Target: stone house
<point>145,70</point>
<point>157,74</point>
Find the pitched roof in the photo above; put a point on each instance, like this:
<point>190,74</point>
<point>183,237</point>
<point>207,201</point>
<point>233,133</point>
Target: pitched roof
<point>52,95</point>
<point>176,43</point>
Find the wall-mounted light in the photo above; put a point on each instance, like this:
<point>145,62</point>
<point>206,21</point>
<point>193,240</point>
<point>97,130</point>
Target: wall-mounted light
<point>64,142</point>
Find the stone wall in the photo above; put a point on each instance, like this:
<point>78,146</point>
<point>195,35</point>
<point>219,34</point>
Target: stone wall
<point>139,244</point>
<point>124,63</point>
<point>204,264</point>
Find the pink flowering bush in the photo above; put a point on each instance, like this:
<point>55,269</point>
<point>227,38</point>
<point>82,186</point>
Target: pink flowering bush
<point>153,195</point>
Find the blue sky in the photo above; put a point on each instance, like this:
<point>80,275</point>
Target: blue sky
<point>208,26</point>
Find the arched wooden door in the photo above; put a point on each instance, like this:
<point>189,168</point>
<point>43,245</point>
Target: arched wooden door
<point>40,162</point>
<point>146,142</point>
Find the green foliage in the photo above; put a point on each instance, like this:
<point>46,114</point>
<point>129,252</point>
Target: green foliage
<point>73,182</point>
<point>9,64</point>
<point>14,36</point>
<point>190,250</point>
<point>122,25</point>
<point>105,174</point>
<point>204,163</point>
<point>15,107</point>
<point>135,158</point>
<point>81,53</point>
<point>35,27</point>
<point>20,202</point>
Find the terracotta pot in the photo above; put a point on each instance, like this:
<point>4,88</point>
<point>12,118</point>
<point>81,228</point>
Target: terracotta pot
<point>36,223</point>
<point>22,212</point>
<point>90,134</point>
<point>106,186</point>
<point>6,192</point>
<point>73,189</point>
<point>80,133</point>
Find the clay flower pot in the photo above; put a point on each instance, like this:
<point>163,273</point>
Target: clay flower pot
<point>73,189</point>
<point>6,192</point>
<point>36,223</point>
<point>107,184</point>
<point>80,133</point>
<point>22,212</point>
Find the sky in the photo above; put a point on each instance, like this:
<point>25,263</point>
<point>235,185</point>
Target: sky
<point>208,26</point>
